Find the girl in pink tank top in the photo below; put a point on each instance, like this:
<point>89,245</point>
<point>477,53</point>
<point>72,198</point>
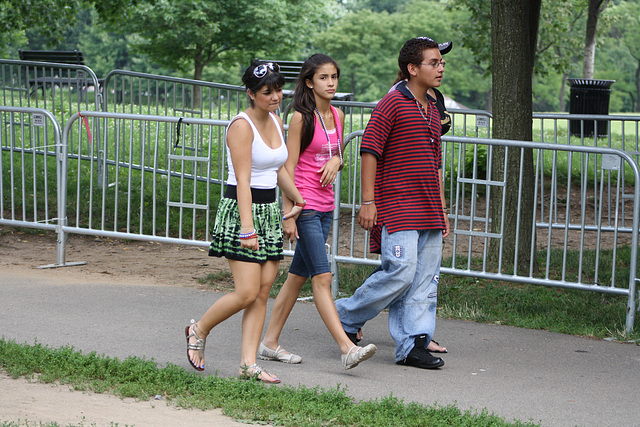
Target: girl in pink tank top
<point>315,157</point>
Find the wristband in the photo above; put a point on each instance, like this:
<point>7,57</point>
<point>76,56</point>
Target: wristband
<point>300,204</point>
<point>246,236</point>
<point>368,202</point>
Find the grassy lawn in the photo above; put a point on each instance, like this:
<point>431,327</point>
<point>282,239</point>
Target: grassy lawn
<point>248,401</point>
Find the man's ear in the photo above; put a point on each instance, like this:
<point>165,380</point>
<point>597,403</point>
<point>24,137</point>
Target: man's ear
<point>412,69</point>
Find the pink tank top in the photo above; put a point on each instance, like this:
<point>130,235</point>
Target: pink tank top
<point>307,177</point>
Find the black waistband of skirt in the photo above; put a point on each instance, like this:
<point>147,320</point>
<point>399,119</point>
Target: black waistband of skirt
<point>257,195</point>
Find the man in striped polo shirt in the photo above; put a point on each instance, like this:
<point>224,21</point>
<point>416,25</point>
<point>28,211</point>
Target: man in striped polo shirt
<point>403,206</point>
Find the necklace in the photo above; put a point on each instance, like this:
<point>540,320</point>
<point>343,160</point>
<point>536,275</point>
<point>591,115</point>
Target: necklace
<point>324,128</point>
<point>420,109</point>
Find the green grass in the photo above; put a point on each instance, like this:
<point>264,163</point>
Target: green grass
<point>249,401</point>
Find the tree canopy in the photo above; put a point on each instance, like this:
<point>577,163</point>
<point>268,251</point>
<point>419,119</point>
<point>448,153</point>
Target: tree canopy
<point>214,39</point>
<point>191,34</point>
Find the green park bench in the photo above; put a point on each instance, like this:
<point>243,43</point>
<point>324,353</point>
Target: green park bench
<point>74,57</point>
<point>57,56</point>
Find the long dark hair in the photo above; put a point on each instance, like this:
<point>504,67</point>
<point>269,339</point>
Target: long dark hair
<point>303,99</point>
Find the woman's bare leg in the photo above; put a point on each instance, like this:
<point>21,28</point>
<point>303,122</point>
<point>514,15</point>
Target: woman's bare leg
<point>282,307</point>
<point>254,314</point>
<point>246,276</point>
<point>327,309</point>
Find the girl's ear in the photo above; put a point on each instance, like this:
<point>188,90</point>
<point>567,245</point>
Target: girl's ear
<point>309,83</point>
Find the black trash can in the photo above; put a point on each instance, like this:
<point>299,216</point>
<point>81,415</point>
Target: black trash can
<point>589,96</point>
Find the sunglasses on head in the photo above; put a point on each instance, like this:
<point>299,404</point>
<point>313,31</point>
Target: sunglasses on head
<point>261,70</point>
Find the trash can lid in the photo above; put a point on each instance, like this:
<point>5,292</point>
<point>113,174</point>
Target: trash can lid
<point>605,84</point>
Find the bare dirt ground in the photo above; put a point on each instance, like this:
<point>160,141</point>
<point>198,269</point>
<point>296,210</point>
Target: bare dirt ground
<point>33,403</point>
<point>24,400</point>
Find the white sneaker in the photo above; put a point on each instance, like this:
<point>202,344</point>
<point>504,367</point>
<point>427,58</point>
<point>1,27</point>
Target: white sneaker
<point>278,355</point>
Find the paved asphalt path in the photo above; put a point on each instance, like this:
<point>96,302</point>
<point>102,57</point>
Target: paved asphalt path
<point>548,378</point>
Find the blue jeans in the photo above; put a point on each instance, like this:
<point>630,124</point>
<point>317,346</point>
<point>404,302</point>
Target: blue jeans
<point>310,256</point>
<point>407,285</point>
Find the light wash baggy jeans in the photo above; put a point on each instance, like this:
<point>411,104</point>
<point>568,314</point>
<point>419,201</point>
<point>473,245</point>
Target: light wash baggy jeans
<point>407,285</point>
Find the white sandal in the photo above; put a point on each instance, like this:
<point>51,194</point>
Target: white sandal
<point>356,354</point>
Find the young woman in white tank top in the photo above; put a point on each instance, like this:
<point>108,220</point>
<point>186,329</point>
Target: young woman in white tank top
<point>248,227</point>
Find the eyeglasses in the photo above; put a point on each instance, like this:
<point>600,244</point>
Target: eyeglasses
<point>261,70</point>
<point>434,64</point>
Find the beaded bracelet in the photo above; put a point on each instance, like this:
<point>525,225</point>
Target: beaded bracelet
<point>246,236</point>
<point>368,202</point>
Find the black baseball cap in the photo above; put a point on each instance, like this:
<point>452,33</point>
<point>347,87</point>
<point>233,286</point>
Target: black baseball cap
<point>442,47</point>
<point>445,47</point>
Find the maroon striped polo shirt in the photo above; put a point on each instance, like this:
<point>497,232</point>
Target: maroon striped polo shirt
<point>407,190</point>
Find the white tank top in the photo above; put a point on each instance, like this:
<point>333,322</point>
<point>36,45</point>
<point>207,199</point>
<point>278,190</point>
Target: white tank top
<point>265,161</point>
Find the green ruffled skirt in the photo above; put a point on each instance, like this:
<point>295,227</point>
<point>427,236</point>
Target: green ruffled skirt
<point>267,220</point>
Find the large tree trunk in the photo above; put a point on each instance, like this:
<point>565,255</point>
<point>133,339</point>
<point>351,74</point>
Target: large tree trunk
<point>595,8</point>
<point>514,29</point>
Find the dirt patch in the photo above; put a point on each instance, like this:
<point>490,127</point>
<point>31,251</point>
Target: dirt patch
<point>23,401</point>
<point>113,260</point>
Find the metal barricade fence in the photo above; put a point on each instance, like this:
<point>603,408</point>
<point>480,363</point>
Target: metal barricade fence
<point>141,93</point>
<point>577,217</point>
<point>166,191</point>
<point>149,176</point>
<point>60,88</point>
<point>32,157</point>
<point>622,133</point>
<point>157,189</point>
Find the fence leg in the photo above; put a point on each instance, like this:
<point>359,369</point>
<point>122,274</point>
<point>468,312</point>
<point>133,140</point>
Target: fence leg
<point>335,235</point>
<point>631,309</point>
<point>61,244</point>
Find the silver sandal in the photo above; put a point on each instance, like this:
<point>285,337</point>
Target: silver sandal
<point>198,345</point>
<point>254,371</point>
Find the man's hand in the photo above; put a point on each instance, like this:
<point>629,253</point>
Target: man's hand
<point>368,216</point>
<point>447,228</point>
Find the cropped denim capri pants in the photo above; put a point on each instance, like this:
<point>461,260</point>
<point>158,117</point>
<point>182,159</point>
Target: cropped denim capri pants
<point>310,256</point>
